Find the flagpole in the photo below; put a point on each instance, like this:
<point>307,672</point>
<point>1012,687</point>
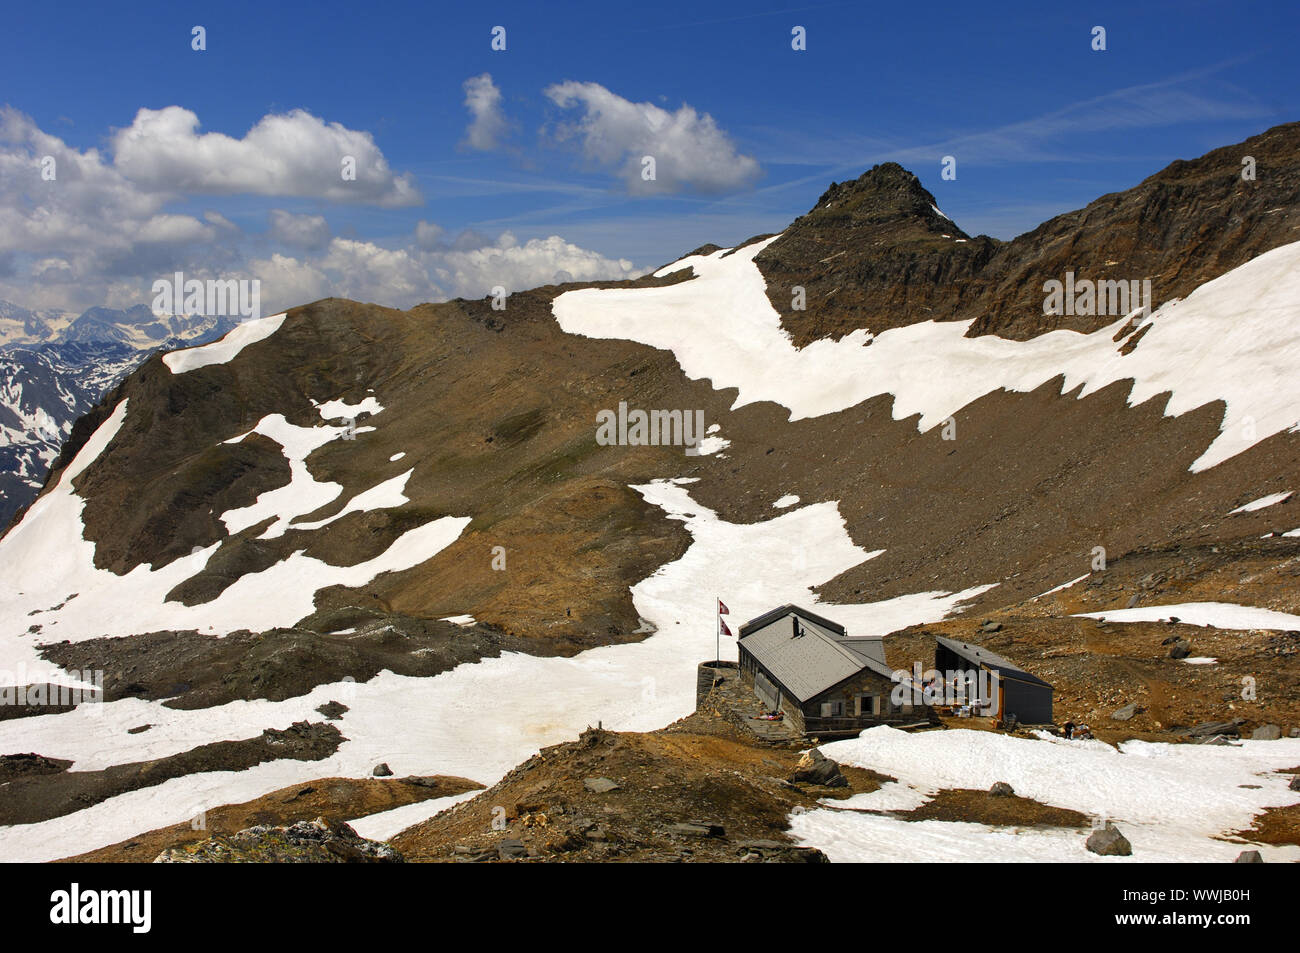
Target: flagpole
<point>717,630</point>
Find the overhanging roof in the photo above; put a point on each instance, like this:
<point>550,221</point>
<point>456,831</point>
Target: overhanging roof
<point>978,655</point>
<point>759,621</point>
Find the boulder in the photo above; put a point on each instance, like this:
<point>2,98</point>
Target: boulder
<point>382,771</point>
<point>1002,789</point>
<point>599,785</point>
<point>1180,649</point>
<point>1266,733</point>
<point>1295,783</point>
<point>1249,857</point>
<point>511,849</point>
<point>1126,713</point>
<point>698,829</point>
<point>1208,728</point>
<point>1109,842</point>
<point>815,768</point>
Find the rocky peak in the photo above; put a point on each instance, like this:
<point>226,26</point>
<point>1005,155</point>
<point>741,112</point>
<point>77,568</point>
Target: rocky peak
<point>886,195</point>
<point>876,253</point>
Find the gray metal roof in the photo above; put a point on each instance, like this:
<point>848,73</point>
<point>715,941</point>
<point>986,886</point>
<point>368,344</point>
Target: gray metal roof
<point>780,612</point>
<point>813,662</point>
<point>979,655</point>
<point>869,647</point>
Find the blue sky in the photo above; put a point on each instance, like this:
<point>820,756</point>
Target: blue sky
<point>1038,121</point>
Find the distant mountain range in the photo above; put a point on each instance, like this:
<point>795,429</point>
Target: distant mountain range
<point>56,365</point>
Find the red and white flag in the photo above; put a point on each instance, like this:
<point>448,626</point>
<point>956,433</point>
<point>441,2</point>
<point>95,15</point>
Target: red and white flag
<point>722,608</point>
<point>725,630</point>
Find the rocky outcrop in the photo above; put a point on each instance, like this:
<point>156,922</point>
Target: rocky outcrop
<point>815,768</point>
<point>874,253</point>
<point>307,842</point>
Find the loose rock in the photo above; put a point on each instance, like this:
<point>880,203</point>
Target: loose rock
<point>1109,842</point>
<point>1126,713</point>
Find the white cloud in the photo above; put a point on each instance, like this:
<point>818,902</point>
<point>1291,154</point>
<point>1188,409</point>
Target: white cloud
<point>367,272</point>
<point>516,267</point>
<point>488,123</point>
<point>91,218</point>
<point>220,221</point>
<point>97,236</point>
<point>689,149</point>
<point>287,282</point>
<point>403,277</point>
<point>427,235</point>
<point>100,231</point>
<point>294,153</point>
<point>301,231</point>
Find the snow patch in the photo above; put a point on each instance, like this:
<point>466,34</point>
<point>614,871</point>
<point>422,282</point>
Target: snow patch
<point>1062,586</point>
<point>1215,615</point>
<point>1142,787</point>
<point>1259,504</point>
<point>342,410</point>
<point>387,495</point>
<point>46,557</point>
<point>226,349</point>
<point>1231,340</point>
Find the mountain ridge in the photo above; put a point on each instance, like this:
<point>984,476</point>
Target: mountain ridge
<point>960,476</point>
<point>1180,227</point>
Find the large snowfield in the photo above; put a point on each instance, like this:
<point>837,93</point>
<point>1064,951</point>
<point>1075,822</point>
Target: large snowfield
<point>1173,802</point>
<point>1232,339</point>
<point>480,720</point>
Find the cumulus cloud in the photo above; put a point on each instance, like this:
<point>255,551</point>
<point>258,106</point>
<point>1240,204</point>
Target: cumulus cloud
<point>403,277</point>
<point>427,235</point>
<point>295,154</point>
<point>541,261</point>
<point>689,149</point>
<point>302,231</point>
<point>97,224</point>
<point>487,124</point>
<point>87,227</point>
<point>288,281</point>
<point>97,235</point>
